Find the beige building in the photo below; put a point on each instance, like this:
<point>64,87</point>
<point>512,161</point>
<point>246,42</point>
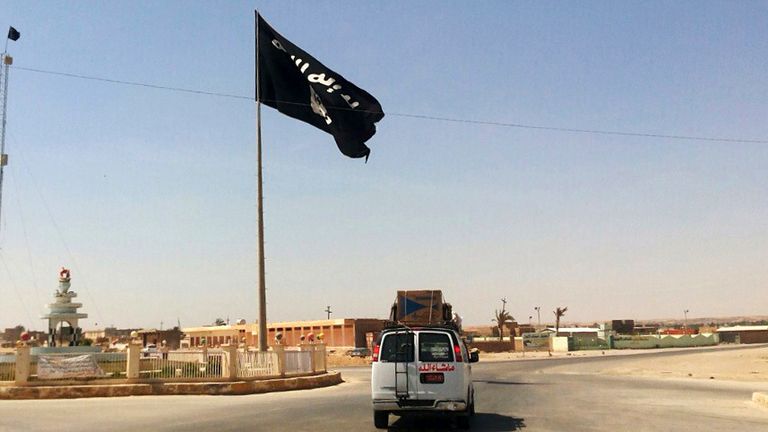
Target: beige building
<point>337,333</point>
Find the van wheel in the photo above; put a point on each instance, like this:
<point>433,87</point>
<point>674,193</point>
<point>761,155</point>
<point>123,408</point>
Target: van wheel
<point>381,419</point>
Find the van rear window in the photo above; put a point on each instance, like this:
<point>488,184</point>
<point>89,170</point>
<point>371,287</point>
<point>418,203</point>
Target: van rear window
<point>397,347</point>
<point>435,347</point>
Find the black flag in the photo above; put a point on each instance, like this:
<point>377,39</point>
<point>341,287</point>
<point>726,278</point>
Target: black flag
<point>13,34</point>
<point>301,87</point>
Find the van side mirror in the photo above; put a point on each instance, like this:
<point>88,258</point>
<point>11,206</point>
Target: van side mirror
<point>474,356</point>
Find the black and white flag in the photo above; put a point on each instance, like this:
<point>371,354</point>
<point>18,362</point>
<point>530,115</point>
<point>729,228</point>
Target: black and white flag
<point>299,86</point>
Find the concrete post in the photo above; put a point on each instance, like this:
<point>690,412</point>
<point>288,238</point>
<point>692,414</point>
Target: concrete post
<point>321,357</point>
<point>229,365</point>
<point>134,360</point>
<point>23,366</point>
<point>279,351</point>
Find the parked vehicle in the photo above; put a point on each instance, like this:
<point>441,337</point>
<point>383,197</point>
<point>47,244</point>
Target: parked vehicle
<point>150,351</point>
<point>422,370</point>
<point>359,352</point>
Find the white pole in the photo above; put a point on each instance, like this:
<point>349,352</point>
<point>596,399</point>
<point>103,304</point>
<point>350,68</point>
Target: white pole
<point>6,63</point>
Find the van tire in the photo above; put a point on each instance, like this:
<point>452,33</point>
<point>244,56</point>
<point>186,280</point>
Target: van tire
<point>381,419</point>
<point>463,421</point>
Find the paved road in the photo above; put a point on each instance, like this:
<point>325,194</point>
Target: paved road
<point>535,395</point>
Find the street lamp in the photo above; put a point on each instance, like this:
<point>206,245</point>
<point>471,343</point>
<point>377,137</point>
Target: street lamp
<point>685,325</point>
<point>538,313</point>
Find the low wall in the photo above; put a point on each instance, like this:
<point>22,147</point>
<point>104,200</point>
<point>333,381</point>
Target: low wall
<point>667,341</point>
<point>166,388</point>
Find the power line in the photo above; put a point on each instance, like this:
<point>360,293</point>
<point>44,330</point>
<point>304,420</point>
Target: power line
<point>132,83</point>
<point>415,116</point>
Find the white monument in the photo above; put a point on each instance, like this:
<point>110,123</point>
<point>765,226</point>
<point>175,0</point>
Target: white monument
<point>63,328</point>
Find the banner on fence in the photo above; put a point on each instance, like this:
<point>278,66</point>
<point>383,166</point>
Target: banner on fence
<point>55,367</point>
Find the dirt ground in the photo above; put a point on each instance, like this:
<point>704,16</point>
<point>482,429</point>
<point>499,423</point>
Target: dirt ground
<point>339,359</point>
<point>749,363</point>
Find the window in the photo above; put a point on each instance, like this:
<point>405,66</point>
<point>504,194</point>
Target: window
<point>397,347</point>
<point>435,347</point>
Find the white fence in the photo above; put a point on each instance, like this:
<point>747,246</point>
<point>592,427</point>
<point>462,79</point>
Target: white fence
<point>183,364</point>
<point>225,364</point>
<point>257,364</point>
<point>298,362</point>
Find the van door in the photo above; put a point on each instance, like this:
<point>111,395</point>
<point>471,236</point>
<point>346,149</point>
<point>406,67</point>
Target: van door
<point>441,370</point>
<point>395,375</point>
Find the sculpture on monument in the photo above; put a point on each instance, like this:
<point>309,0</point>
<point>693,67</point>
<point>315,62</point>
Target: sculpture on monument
<point>63,328</point>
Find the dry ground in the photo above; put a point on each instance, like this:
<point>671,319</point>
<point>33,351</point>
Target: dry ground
<point>339,359</point>
<point>747,364</point>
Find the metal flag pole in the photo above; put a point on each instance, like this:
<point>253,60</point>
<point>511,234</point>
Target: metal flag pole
<point>262,279</point>
<point>6,63</point>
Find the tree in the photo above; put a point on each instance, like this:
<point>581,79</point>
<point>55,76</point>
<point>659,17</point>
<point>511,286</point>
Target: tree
<point>559,312</point>
<point>219,322</point>
<point>501,317</point>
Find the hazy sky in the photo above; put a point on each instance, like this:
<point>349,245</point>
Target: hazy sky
<point>149,196</point>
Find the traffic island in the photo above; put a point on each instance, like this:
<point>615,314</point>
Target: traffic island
<point>171,388</point>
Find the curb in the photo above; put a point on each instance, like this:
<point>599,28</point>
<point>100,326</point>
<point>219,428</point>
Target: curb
<point>760,398</point>
<point>161,388</point>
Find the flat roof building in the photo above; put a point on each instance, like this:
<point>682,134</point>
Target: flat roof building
<point>744,334</point>
<point>342,332</point>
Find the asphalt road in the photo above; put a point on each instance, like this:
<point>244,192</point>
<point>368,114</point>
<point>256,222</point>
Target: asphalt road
<point>534,395</point>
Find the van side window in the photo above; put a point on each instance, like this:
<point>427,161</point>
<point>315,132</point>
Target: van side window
<point>435,347</point>
<point>397,347</point>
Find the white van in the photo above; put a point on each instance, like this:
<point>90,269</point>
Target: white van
<point>420,370</point>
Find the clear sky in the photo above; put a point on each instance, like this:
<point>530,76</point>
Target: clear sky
<point>149,196</point>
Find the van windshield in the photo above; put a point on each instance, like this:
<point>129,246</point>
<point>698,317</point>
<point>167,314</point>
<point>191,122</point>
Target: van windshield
<point>435,347</point>
<point>397,347</point>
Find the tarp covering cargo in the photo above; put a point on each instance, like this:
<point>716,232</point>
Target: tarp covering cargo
<point>420,307</point>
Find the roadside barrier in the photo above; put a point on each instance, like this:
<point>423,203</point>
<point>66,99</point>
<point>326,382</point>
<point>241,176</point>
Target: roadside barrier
<point>227,363</point>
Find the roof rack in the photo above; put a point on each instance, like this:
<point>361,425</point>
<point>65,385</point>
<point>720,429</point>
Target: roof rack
<point>391,325</point>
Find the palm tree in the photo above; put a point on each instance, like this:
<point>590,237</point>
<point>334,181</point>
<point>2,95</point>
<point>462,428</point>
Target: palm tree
<point>502,317</point>
<point>559,312</point>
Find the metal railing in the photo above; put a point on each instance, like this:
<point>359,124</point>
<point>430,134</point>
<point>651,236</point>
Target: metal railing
<point>298,362</point>
<point>7,367</point>
<point>214,364</point>
<point>256,364</point>
<point>182,364</point>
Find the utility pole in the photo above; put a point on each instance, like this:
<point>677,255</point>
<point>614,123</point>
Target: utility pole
<point>328,311</point>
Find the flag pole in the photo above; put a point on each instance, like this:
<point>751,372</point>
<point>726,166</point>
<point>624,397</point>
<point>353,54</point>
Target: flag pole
<point>262,279</point>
